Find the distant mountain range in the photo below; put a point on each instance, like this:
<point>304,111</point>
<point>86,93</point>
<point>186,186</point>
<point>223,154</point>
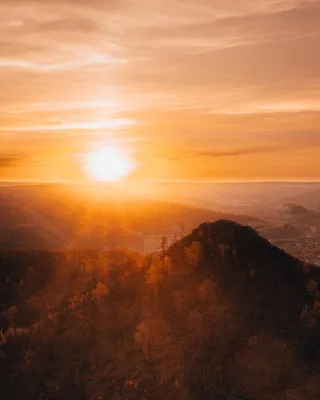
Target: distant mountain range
<point>298,213</point>
<point>99,217</point>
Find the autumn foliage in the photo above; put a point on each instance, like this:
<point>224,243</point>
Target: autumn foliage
<point>123,325</point>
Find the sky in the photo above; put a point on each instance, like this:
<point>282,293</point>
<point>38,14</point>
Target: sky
<point>204,90</point>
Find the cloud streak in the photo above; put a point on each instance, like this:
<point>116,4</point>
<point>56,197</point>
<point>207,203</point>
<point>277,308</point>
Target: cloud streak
<point>10,161</point>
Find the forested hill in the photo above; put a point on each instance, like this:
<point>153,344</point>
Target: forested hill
<point>221,314</point>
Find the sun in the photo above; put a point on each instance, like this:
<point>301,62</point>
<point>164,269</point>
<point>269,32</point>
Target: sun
<point>109,164</point>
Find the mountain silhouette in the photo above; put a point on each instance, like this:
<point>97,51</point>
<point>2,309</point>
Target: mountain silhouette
<point>220,314</point>
<point>267,286</point>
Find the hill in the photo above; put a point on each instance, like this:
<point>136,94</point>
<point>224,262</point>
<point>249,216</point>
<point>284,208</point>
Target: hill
<point>298,213</point>
<point>62,217</point>
<point>281,232</point>
<point>221,314</point>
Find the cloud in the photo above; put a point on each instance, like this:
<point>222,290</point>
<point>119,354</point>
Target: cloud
<point>218,72</point>
<point>301,20</point>
<point>74,126</point>
<point>65,25</point>
<point>41,38</point>
<point>222,153</point>
<point>8,161</point>
<point>234,153</point>
<point>228,43</point>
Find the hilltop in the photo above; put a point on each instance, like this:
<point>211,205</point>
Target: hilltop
<point>220,314</point>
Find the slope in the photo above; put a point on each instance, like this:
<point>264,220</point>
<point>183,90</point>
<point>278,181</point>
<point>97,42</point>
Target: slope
<point>222,314</point>
<point>59,217</point>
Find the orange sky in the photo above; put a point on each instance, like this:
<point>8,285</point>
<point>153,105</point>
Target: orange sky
<point>195,89</point>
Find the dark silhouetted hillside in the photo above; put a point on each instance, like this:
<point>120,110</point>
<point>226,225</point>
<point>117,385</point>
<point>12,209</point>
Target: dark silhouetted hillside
<point>251,270</point>
<point>221,314</point>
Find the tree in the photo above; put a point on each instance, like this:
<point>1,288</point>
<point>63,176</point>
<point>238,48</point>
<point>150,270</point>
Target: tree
<point>142,337</point>
<point>164,244</point>
<point>205,288</point>
<point>312,285</point>
<point>155,273</point>
<point>100,293</point>
<point>195,322</point>
<point>12,315</point>
<point>182,230</point>
<point>234,252</point>
<point>222,249</point>
<point>153,336</point>
<point>167,265</point>
<point>305,267</point>
<point>194,253</point>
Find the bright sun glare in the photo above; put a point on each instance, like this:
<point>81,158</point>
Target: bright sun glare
<point>109,164</point>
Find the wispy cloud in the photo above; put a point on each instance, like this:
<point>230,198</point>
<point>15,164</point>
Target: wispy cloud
<point>10,161</point>
<point>215,72</point>
<point>73,126</point>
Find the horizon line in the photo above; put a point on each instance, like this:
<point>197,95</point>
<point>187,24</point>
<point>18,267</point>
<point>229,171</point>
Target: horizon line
<point>124,182</point>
